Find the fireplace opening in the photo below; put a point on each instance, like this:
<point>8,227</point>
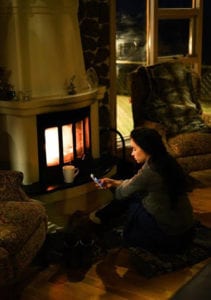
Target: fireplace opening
<point>63,138</point>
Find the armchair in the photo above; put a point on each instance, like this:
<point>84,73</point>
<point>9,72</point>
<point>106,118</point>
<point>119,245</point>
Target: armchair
<point>166,97</point>
<point>23,226</point>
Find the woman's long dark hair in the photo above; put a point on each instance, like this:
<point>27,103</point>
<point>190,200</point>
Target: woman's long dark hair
<point>161,161</point>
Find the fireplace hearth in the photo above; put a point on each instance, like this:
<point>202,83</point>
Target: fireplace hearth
<point>100,167</point>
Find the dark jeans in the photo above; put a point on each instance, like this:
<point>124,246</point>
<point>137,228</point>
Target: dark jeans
<point>141,228</point>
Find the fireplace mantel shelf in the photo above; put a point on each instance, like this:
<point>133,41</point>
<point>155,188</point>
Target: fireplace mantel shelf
<point>51,104</point>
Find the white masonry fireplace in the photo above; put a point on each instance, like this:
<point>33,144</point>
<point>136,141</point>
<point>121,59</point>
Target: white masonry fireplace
<point>23,140</point>
<point>42,50</point>
<point>53,120</point>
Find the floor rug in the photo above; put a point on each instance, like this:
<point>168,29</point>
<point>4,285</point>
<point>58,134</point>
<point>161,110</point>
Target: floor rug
<point>152,264</point>
<point>146,263</point>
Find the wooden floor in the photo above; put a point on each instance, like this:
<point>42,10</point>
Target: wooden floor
<point>113,278</point>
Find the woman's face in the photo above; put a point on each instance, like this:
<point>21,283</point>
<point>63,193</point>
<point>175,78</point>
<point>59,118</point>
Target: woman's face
<point>138,153</point>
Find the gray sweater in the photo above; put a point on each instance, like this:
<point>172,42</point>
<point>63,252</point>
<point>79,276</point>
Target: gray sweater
<point>156,201</point>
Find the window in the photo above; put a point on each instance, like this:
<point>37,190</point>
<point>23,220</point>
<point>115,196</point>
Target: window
<point>151,31</point>
<point>179,23</point>
<point>130,52</point>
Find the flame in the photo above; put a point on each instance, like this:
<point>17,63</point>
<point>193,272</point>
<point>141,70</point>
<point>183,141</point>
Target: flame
<point>52,146</point>
<point>67,139</point>
<point>82,140</point>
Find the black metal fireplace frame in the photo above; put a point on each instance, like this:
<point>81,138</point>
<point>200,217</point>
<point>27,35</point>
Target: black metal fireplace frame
<point>53,174</point>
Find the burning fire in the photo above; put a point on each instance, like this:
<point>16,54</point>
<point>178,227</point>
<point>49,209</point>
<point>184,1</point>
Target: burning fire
<point>78,132</point>
<point>52,145</point>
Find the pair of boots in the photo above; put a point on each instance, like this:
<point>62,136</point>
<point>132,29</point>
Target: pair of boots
<point>83,241</point>
<point>82,254</point>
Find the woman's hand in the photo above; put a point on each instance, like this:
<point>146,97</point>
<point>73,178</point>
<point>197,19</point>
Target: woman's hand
<point>109,183</point>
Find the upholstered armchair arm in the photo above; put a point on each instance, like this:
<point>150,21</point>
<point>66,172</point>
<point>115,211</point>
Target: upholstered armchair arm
<point>20,213</point>
<point>10,186</point>
<point>18,222</point>
<point>6,270</point>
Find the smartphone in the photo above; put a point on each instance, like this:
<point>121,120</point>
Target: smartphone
<point>96,180</point>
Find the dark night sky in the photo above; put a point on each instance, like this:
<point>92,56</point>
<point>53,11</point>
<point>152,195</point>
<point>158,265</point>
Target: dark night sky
<point>134,6</point>
<point>131,7</point>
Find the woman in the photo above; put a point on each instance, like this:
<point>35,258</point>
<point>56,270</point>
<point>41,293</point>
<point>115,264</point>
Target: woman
<point>159,214</point>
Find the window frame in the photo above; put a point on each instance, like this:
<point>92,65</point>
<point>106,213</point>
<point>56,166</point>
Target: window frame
<point>194,14</point>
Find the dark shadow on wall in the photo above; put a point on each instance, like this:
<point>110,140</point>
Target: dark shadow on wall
<point>5,151</point>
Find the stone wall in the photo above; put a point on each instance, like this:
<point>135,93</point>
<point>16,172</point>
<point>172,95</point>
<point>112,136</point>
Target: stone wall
<point>94,26</point>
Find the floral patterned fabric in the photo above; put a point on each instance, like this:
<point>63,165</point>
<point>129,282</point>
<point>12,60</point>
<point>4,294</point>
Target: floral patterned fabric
<point>190,144</point>
<point>6,268</point>
<point>10,186</point>
<point>23,227</point>
<point>17,222</point>
<point>195,162</point>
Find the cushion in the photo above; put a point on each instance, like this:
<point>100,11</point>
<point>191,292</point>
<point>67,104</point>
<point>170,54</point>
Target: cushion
<point>172,100</point>
<point>10,186</point>
<point>190,144</point>
<point>195,162</point>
